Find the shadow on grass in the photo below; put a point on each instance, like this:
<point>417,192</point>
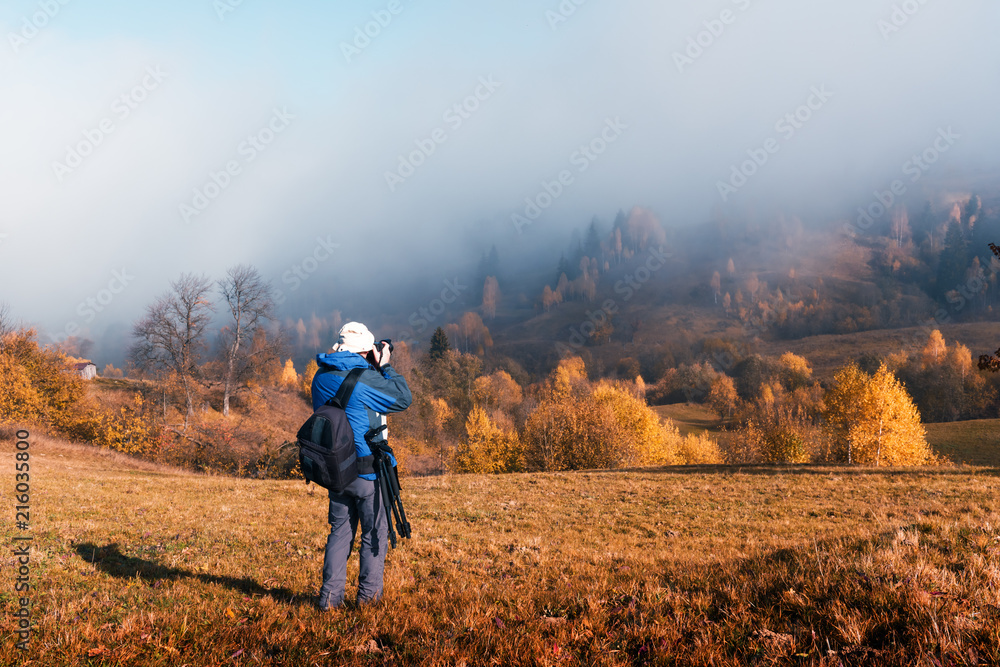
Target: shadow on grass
<point>111,560</point>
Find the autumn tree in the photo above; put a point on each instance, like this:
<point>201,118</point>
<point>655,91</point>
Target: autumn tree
<point>440,413</point>
<point>111,372</point>
<point>452,379</point>
<point>497,391</point>
<point>873,421</point>
<point>249,298</point>
<point>487,447</point>
<point>172,334</point>
<point>475,336</point>
<point>307,377</point>
<point>795,370</point>
<point>778,412</point>
<point>934,350</point>
<point>991,362</point>
<point>491,297</point>
<point>578,425</point>
<point>34,383</point>
<point>722,396</point>
<point>6,322</point>
<point>289,377</point>
<point>550,298</point>
<point>943,381</point>
<point>900,225</point>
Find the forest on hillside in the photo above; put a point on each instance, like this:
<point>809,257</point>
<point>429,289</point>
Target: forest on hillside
<point>523,373</point>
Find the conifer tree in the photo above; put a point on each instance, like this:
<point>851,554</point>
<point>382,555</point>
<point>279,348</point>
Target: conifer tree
<point>439,344</point>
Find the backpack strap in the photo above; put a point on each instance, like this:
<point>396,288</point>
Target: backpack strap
<point>346,389</point>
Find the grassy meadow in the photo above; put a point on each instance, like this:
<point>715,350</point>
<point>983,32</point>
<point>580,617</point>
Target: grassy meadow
<point>140,565</point>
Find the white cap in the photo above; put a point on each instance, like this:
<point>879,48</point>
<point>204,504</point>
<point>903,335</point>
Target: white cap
<point>354,337</point>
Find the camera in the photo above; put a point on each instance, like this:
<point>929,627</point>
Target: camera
<point>370,356</point>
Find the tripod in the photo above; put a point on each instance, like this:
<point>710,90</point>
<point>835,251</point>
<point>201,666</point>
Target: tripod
<point>388,484</point>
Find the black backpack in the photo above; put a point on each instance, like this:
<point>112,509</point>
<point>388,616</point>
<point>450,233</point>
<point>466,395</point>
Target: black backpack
<point>326,441</point>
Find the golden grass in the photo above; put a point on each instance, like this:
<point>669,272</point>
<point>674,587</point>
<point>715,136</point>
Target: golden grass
<point>137,565</point>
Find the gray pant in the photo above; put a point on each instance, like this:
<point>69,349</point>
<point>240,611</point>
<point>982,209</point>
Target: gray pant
<point>360,503</point>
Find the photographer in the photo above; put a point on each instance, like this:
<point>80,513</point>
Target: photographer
<point>379,390</point>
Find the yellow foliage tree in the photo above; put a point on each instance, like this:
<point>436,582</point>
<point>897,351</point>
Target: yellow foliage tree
<point>933,353</point>
<point>35,383</point>
<point>126,430</point>
<point>873,421</point>
<point>497,391</point>
<point>289,378</point>
<point>698,448</point>
<point>307,378</point>
<point>439,415</point>
<point>569,374</point>
<point>797,366</point>
<point>487,448</point>
<point>580,425</point>
<point>111,372</point>
<point>722,396</point>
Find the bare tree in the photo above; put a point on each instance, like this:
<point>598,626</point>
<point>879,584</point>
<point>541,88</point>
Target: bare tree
<point>171,336</point>
<point>251,304</point>
<point>7,325</point>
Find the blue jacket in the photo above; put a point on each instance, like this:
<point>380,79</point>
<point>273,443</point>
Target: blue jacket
<point>377,392</point>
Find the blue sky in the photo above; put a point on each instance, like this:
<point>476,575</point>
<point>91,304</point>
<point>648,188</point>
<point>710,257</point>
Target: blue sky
<point>559,84</point>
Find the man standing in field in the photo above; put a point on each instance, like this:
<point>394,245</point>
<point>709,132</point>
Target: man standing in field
<point>380,389</point>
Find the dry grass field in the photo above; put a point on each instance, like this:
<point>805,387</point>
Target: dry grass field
<point>139,565</point>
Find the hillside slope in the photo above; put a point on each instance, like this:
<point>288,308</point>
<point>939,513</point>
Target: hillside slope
<point>135,564</point>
